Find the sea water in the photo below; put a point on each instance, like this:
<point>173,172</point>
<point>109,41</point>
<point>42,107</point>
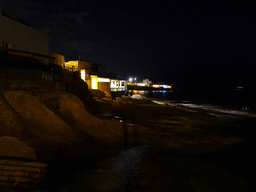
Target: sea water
<point>237,100</point>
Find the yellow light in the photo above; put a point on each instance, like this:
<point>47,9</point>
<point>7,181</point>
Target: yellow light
<point>94,80</point>
<point>70,64</point>
<point>141,84</point>
<point>83,74</point>
<point>103,79</point>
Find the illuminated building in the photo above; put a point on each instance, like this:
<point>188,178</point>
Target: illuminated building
<point>146,84</point>
<point>57,59</point>
<point>96,76</point>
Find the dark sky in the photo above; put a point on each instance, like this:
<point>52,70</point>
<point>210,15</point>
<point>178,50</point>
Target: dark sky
<point>187,43</point>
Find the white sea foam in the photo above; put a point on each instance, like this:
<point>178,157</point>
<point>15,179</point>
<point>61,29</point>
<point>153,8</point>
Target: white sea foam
<point>159,102</point>
<point>218,109</point>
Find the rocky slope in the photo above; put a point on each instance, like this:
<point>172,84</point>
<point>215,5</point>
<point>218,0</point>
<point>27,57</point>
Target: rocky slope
<point>12,147</point>
<point>26,118</point>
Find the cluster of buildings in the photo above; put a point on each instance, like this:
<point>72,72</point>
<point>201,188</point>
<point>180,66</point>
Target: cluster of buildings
<point>18,38</point>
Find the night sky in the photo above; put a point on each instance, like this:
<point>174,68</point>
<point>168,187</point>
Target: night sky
<point>190,43</point>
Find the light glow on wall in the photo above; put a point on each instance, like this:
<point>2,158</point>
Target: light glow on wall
<point>83,74</point>
<point>141,84</point>
<point>103,79</point>
<point>94,80</point>
<point>71,64</point>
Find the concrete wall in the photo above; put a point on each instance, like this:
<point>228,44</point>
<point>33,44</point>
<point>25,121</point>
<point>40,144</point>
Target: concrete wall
<point>22,37</point>
<point>29,80</point>
<point>104,86</point>
<point>59,59</point>
<point>31,86</point>
<point>85,65</point>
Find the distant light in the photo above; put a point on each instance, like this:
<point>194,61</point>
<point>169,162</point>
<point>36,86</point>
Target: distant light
<point>130,79</point>
<point>141,84</point>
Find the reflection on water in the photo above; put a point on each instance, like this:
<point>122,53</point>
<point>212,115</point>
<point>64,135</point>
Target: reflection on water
<point>134,169</point>
<point>126,167</point>
<point>122,172</point>
<point>150,169</point>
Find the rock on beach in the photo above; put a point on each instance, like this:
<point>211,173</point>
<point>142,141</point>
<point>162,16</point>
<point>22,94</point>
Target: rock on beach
<point>109,131</point>
<point>10,122</point>
<point>40,122</point>
<point>12,147</point>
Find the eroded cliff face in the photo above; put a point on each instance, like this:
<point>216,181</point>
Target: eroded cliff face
<point>111,132</point>
<point>27,118</point>
<point>12,147</point>
<point>10,122</point>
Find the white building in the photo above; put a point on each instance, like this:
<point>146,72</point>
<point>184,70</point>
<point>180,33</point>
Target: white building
<point>20,38</point>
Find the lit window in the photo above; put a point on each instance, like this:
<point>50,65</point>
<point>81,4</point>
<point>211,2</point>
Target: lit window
<point>82,74</point>
<point>94,81</point>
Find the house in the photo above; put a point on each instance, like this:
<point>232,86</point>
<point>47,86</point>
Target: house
<point>17,37</point>
<point>96,76</point>
<point>57,59</point>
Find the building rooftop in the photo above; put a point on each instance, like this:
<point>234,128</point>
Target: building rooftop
<point>13,17</point>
